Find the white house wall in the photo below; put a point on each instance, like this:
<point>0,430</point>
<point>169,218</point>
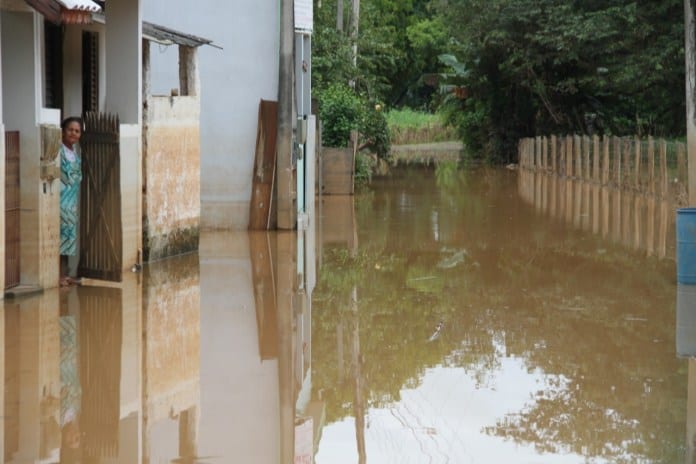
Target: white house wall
<point>22,49</point>
<point>2,176</point>
<point>233,80</point>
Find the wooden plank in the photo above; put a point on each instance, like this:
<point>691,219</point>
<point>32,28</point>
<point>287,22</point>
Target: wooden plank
<point>605,160</point>
<point>616,155</point>
<point>636,163</point>
<point>264,166</point>
<point>595,158</point>
<point>651,165</point>
<point>663,167</point>
<point>264,294</point>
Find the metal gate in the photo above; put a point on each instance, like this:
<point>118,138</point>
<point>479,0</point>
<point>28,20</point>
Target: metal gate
<point>100,203</point>
<point>12,237</point>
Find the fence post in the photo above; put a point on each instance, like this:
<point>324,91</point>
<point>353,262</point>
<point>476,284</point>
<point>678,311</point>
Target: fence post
<point>616,155</point>
<point>578,156</point>
<point>682,175</point>
<point>663,166</point>
<point>605,163</point>
<point>626,162</point>
<point>636,167</point>
<point>595,158</point>
<point>569,155</point>
<point>651,164</point>
<point>554,148</point>
<point>544,153</point>
<point>587,174</point>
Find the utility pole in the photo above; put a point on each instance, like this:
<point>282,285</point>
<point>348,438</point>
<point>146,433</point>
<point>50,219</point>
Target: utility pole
<point>355,21</point>
<point>339,15</point>
<point>690,54</point>
<point>286,214</point>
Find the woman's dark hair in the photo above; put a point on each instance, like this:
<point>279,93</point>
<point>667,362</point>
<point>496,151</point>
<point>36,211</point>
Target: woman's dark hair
<point>66,122</point>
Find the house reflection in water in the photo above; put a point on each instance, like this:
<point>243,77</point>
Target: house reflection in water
<point>72,387</point>
<point>202,356</point>
<point>171,359</point>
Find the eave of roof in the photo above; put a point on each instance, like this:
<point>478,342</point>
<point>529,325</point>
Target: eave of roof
<point>166,36</point>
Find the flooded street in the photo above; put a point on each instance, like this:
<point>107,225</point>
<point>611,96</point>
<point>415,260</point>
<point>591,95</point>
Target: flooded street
<point>462,322</point>
<point>483,316</point>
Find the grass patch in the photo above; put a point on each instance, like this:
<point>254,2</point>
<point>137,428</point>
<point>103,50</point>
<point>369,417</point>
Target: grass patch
<point>408,118</point>
<point>407,126</point>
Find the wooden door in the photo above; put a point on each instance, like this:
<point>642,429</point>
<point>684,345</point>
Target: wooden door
<point>101,247</point>
<point>12,237</point>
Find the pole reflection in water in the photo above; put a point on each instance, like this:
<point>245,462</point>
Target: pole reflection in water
<point>636,220</point>
<point>686,347</point>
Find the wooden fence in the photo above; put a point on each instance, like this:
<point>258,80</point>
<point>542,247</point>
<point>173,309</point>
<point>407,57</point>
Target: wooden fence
<point>653,166</point>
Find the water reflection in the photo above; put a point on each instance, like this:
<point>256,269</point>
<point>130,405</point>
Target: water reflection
<point>553,344</point>
<point>200,358</point>
<point>637,220</point>
<point>64,398</point>
<point>450,323</point>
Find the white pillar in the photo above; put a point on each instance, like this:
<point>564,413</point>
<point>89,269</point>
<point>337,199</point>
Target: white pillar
<point>690,55</point>
<point>2,190</point>
<point>124,97</point>
<point>124,60</point>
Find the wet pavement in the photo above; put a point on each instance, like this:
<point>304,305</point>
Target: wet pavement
<point>442,317</point>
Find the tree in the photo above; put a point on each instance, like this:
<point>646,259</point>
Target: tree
<point>543,66</point>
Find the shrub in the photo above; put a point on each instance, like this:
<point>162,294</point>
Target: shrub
<point>374,132</point>
<point>339,112</point>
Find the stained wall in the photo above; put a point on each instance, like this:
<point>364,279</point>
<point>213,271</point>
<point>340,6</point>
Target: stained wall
<point>171,194</point>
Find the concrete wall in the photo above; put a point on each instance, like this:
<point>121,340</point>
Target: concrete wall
<point>233,80</point>
<point>171,197</point>
<point>22,36</point>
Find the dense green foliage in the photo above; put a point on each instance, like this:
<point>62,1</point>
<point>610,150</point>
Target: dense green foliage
<point>343,111</point>
<point>339,111</point>
<point>520,67</point>
<point>552,66</point>
<point>399,41</point>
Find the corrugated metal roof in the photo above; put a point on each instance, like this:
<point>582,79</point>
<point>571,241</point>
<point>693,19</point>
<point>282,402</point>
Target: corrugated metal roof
<point>82,5</point>
<point>167,36</point>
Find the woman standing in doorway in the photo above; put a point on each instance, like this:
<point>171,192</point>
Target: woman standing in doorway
<point>70,179</point>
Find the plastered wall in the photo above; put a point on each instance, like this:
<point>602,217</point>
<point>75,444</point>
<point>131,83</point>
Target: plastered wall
<point>171,195</point>
<point>233,80</point>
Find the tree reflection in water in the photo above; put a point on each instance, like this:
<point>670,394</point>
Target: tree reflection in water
<point>596,319</point>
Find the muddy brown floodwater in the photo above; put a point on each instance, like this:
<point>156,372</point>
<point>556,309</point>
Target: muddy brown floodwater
<point>492,316</point>
<point>443,316</point>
